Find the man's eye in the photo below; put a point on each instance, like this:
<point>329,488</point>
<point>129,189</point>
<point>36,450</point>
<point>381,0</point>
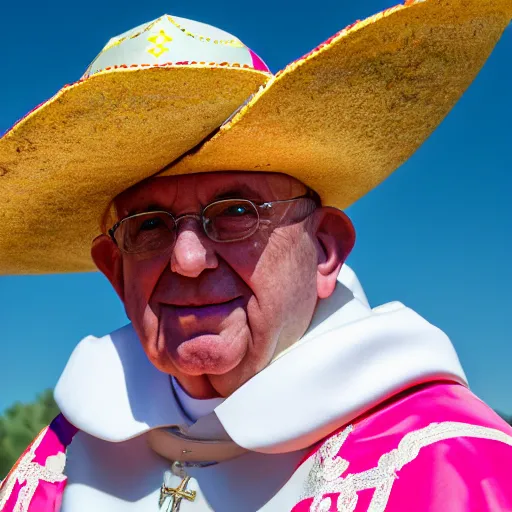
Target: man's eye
<point>149,224</point>
<point>236,210</point>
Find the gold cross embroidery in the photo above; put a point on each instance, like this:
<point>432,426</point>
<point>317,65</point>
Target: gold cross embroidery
<point>159,40</point>
<point>177,494</point>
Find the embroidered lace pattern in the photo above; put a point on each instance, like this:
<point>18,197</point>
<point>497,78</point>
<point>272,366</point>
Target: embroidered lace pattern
<point>326,474</point>
<point>29,472</point>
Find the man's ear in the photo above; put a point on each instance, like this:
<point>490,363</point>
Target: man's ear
<point>107,258</point>
<point>336,237</point>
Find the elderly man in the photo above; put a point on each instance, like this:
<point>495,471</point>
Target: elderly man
<point>254,375</point>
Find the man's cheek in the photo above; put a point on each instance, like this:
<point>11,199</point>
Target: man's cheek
<point>142,280</point>
<point>136,301</point>
<point>243,256</point>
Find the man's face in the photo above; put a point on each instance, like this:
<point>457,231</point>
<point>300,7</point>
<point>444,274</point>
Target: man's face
<point>214,314</point>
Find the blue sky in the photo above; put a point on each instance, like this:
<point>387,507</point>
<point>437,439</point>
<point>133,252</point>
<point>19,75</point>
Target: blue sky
<point>436,235</point>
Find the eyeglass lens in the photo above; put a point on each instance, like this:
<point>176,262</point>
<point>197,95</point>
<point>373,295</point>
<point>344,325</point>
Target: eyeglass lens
<point>223,221</point>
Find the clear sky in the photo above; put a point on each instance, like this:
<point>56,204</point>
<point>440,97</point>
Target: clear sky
<point>436,235</point>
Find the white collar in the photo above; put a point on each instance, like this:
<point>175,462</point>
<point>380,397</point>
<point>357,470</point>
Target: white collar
<point>192,407</point>
<point>351,359</point>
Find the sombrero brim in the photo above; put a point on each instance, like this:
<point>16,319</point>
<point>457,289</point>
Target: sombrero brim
<point>62,164</point>
<point>344,117</point>
<point>341,119</point>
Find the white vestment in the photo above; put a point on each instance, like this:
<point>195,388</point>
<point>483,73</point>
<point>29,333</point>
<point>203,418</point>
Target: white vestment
<point>351,359</point>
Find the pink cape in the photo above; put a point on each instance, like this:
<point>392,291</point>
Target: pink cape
<point>435,447</point>
<point>36,482</point>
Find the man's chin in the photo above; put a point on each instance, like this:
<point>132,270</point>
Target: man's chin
<point>208,354</point>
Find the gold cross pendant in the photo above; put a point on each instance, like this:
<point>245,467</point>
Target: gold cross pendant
<point>176,494</point>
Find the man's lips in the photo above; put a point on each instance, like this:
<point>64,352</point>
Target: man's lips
<point>200,304</point>
<point>202,311</point>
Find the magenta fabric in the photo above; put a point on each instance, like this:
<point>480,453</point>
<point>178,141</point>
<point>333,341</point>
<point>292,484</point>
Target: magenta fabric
<point>35,473</point>
<point>463,474</point>
<point>257,63</point>
<point>460,474</point>
<point>58,437</point>
<point>48,497</point>
<point>13,498</point>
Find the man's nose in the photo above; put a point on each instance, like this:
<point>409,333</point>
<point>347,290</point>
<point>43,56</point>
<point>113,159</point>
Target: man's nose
<point>192,251</point>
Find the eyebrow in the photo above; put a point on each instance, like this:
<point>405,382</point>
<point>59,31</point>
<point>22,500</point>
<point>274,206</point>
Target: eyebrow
<point>234,191</point>
<point>150,208</point>
<point>237,191</point>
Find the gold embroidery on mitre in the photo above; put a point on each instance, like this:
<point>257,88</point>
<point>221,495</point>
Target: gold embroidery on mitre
<point>32,473</point>
<point>120,40</point>
<point>116,42</point>
<point>235,43</point>
<point>322,480</point>
<point>159,40</point>
<point>158,47</point>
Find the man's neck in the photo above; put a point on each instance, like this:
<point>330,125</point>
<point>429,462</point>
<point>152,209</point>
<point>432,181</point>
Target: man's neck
<point>194,408</point>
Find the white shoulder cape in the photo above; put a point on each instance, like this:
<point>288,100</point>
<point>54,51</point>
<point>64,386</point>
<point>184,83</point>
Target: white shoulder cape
<point>351,359</point>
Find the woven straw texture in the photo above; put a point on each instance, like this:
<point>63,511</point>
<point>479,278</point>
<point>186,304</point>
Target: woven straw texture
<point>62,164</point>
<point>343,118</point>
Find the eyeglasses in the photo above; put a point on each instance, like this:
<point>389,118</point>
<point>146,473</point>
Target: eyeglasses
<point>226,220</point>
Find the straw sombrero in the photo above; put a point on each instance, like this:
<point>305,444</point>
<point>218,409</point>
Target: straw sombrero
<point>340,119</point>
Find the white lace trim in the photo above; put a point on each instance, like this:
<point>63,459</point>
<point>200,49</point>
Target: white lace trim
<point>325,475</point>
<point>31,473</point>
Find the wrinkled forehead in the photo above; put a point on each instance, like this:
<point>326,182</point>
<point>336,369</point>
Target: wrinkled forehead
<point>199,189</point>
